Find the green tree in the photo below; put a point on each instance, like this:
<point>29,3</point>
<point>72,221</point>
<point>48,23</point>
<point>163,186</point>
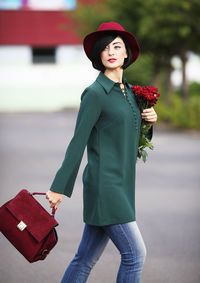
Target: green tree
<point>176,29</point>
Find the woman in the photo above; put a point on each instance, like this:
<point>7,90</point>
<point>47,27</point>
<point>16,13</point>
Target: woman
<point>108,123</point>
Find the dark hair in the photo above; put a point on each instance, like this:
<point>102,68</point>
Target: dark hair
<point>101,44</point>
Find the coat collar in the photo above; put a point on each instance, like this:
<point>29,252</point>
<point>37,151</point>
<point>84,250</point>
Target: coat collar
<point>107,83</point>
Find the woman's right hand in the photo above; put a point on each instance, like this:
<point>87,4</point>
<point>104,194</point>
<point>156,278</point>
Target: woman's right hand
<point>54,198</point>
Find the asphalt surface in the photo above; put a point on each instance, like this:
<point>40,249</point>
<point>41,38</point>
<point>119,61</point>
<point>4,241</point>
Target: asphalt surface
<point>32,147</point>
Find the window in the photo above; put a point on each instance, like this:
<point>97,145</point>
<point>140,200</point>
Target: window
<point>43,55</point>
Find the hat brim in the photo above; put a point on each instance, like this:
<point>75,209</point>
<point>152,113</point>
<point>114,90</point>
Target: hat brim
<point>90,39</point>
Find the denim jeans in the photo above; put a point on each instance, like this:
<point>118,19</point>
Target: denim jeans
<point>128,240</point>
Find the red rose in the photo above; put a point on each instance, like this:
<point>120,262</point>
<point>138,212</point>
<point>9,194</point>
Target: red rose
<point>146,97</point>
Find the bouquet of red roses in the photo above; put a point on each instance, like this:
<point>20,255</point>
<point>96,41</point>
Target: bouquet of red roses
<point>146,97</point>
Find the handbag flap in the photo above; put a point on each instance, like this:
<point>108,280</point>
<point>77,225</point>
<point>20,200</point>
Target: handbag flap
<point>24,207</point>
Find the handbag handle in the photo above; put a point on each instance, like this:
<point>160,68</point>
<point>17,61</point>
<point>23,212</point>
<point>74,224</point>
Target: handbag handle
<point>53,209</point>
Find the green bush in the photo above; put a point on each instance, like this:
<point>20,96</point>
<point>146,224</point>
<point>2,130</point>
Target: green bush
<point>194,89</point>
<point>180,114</point>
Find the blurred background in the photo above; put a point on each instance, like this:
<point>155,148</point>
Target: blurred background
<point>43,71</point>
<point>41,53</point>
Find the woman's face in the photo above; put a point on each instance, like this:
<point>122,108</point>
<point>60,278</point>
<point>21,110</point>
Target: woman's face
<point>113,55</point>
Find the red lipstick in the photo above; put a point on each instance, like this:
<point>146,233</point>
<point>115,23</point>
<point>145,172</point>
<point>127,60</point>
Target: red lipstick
<point>112,60</point>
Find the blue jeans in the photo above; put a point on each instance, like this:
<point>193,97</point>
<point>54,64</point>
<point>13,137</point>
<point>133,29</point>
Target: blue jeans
<point>128,240</point>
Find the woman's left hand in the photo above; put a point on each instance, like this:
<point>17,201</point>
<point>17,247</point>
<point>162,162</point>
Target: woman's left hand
<point>149,115</point>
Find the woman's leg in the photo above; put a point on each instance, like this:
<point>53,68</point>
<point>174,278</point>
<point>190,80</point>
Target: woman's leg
<point>127,238</point>
<point>92,244</point>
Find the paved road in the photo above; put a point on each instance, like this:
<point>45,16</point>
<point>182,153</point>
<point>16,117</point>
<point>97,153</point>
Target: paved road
<point>32,147</point>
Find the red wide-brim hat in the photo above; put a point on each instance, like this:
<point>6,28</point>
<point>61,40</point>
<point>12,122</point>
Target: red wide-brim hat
<point>110,27</point>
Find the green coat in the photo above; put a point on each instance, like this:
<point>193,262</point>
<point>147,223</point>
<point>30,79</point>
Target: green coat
<point>109,124</point>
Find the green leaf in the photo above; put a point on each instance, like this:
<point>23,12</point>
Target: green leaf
<point>151,146</point>
<point>144,155</point>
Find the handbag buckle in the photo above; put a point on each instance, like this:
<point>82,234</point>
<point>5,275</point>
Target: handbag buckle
<point>21,226</point>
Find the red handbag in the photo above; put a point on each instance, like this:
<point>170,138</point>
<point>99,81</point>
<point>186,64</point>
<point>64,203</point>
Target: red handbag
<point>28,226</point>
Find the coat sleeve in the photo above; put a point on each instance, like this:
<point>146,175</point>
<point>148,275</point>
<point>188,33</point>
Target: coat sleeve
<point>89,112</point>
